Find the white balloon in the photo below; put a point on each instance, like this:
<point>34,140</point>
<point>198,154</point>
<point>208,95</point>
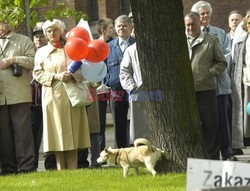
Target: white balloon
<point>84,24</point>
<point>93,71</point>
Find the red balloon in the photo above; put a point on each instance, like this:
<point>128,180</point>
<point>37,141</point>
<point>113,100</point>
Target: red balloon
<point>80,33</point>
<point>76,49</point>
<point>98,51</point>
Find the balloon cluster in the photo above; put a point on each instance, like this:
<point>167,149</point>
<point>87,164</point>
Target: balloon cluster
<point>87,54</point>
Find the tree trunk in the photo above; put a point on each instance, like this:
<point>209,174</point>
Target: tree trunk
<point>27,17</point>
<point>125,7</point>
<point>94,10</point>
<point>162,47</point>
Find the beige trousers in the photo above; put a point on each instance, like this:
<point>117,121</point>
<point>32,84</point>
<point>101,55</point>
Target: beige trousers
<point>66,159</point>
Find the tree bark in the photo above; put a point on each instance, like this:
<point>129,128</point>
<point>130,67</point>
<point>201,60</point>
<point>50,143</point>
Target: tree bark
<point>27,13</point>
<point>94,10</point>
<point>162,47</point>
<point>125,7</point>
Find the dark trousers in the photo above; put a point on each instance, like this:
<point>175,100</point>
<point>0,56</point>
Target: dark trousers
<point>94,150</point>
<point>119,108</point>
<point>50,160</point>
<point>229,114</point>
<point>17,140</point>
<point>37,129</point>
<point>208,110</point>
<point>102,119</point>
<point>225,135</point>
<point>83,158</point>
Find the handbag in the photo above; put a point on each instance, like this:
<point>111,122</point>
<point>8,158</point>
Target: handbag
<point>78,93</point>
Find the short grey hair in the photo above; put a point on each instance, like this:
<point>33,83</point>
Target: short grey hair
<point>193,15</point>
<point>123,18</point>
<point>202,4</point>
<point>235,12</point>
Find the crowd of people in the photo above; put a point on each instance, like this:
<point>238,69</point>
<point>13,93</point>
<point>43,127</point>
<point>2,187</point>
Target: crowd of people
<point>221,101</point>
<point>35,104</point>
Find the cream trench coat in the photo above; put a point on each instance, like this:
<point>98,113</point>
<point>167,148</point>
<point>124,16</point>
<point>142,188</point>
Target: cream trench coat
<point>64,127</point>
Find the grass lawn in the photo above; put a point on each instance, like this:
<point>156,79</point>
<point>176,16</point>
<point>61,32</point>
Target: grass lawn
<point>108,179</point>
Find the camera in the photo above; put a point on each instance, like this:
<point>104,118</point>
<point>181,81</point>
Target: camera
<point>17,70</point>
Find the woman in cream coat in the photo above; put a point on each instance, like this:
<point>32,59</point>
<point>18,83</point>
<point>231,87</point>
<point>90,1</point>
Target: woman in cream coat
<point>65,128</point>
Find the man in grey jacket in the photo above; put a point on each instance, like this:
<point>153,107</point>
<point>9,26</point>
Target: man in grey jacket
<point>131,80</point>
<point>207,62</point>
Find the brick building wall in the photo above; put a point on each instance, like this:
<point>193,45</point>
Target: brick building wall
<point>221,10</point>
<point>114,8</point>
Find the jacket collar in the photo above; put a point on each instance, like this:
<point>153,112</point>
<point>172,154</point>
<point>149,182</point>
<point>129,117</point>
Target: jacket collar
<point>8,37</point>
<point>214,30</point>
<point>199,39</point>
<point>115,42</point>
<point>49,49</point>
<point>241,38</point>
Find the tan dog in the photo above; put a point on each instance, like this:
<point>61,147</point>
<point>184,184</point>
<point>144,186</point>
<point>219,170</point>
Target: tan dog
<point>142,154</point>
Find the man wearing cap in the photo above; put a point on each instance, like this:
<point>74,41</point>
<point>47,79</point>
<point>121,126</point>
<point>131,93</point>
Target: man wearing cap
<point>15,97</point>
<point>38,36</point>
<point>36,108</point>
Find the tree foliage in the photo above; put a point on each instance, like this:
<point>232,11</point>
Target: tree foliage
<point>14,11</point>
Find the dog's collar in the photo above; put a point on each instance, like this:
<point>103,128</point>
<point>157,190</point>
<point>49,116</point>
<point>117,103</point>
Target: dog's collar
<point>116,157</point>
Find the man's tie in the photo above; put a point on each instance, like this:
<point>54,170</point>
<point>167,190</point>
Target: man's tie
<point>122,46</point>
<point>206,29</point>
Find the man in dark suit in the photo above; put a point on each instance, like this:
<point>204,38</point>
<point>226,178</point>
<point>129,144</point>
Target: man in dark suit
<point>234,19</point>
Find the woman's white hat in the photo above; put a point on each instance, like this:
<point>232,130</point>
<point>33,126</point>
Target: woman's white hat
<point>55,23</point>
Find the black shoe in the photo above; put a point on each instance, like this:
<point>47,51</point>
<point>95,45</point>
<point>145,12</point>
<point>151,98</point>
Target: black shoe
<point>27,171</point>
<point>95,167</point>
<point>231,158</point>
<point>6,173</point>
<point>238,152</point>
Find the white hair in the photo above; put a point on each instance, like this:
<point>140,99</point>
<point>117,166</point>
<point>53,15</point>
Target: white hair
<point>201,4</point>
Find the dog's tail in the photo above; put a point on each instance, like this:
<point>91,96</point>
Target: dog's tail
<point>142,141</point>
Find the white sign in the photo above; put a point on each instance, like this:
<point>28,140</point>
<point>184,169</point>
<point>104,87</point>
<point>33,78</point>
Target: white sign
<point>211,173</point>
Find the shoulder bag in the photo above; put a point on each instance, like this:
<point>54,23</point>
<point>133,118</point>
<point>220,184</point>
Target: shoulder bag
<point>78,93</point>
